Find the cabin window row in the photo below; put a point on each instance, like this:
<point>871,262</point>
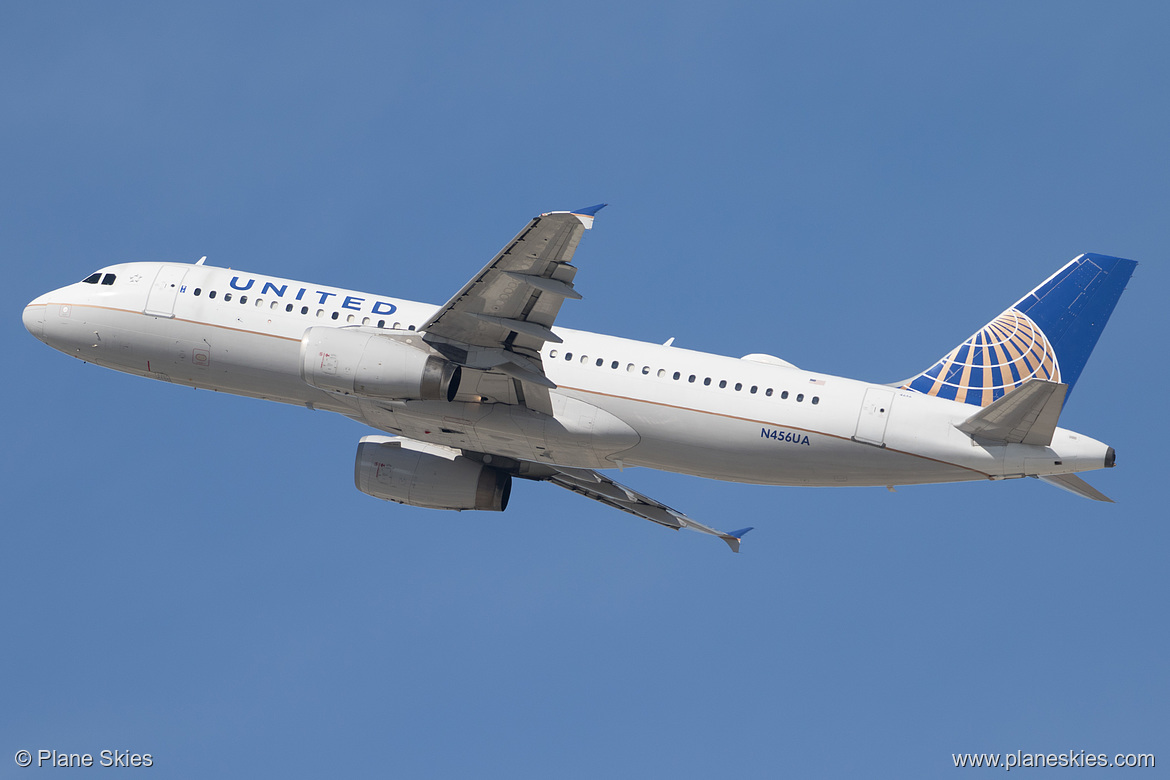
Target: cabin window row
<point>288,307</point>
<point>677,376</point>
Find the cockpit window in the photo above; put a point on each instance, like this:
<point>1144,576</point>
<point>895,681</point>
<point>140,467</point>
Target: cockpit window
<point>91,279</point>
<point>108,279</point>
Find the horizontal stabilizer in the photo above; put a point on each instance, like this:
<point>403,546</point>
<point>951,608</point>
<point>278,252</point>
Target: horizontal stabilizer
<point>1074,484</point>
<point>1026,415</point>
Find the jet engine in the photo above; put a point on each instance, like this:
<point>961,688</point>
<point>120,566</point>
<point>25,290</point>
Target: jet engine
<point>419,474</point>
<point>375,365</point>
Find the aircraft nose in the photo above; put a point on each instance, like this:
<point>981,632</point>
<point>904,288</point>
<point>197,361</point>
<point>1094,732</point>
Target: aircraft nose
<point>34,318</point>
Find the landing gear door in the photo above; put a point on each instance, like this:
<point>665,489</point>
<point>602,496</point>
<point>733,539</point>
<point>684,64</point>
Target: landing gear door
<point>875,413</point>
<point>161,300</point>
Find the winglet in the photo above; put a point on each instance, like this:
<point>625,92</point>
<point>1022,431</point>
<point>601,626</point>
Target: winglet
<point>586,215</point>
<point>734,538</point>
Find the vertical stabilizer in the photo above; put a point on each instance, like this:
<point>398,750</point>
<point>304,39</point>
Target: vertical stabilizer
<point>1048,334</point>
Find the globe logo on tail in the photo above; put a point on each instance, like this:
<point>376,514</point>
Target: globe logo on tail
<point>1008,351</point>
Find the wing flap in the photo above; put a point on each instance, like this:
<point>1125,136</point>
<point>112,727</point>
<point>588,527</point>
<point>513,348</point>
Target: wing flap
<point>526,327</point>
<point>550,286</point>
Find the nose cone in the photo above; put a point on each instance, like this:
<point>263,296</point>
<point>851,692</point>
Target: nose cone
<point>34,318</point>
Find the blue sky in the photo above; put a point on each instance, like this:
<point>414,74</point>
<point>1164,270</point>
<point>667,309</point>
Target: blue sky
<point>855,188</point>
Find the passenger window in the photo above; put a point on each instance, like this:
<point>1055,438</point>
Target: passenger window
<point>108,279</point>
<point>584,359</point>
<point>691,378</point>
<point>738,386</point>
<point>320,313</point>
<point>799,397</point>
<point>381,323</point>
<point>754,389</point>
<point>365,320</point>
<point>211,294</point>
<point>410,327</point>
<point>784,395</point>
<point>227,296</point>
<point>304,310</point>
<point>350,318</point>
<point>645,370</point>
<point>197,292</point>
<point>768,392</point>
<point>662,373</point>
<point>677,375</point>
<point>629,368</point>
<point>288,307</point>
<point>243,299</point>
<point>816,400</point>
<point>614,364</point>
<point>552,353</point>
<point>568,356</point>
<point>707,381</point>
<point>91,279</point>
<point>600,362</point>
<point>334,315</point>
<point>722,383</point>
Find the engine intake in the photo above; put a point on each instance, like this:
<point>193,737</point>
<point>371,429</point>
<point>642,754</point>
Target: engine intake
<point>410,472</point>
<point>375,365</point>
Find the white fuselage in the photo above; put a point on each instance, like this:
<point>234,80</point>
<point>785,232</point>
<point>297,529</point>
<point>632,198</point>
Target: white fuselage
<point>617,402</point>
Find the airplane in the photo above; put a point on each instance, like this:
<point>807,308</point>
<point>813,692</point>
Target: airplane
<point>470,395</point>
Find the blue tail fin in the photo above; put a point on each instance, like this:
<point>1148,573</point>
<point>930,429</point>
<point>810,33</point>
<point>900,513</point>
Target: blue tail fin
<point>1047,334</point>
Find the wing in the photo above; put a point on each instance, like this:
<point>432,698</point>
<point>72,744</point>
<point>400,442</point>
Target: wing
<point>599,487</point>
<point>498,323</point>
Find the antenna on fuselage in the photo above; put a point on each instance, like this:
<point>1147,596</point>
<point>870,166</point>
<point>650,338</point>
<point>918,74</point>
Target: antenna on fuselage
<point>200,261</point>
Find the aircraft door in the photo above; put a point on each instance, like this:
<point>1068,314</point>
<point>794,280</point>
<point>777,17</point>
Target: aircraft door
<point>875,414</point>
<point>161,300</point>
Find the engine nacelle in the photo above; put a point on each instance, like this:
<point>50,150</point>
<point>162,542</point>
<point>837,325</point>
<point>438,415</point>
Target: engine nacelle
<point>375,365</point>
<point>410,472</point>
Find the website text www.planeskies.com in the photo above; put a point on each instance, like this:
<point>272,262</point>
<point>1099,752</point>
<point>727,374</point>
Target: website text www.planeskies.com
<point>1070,758</point>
